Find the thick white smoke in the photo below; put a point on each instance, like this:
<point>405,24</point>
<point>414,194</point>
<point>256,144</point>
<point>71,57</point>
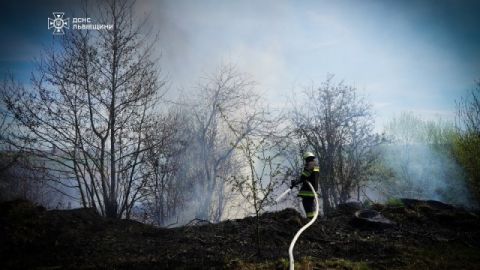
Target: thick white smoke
<point>418,162</point>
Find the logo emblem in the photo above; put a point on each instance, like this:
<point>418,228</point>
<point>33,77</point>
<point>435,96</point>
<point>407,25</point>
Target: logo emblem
<point>58,23</point>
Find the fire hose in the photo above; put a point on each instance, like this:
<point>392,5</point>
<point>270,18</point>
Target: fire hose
<point>295,238</point>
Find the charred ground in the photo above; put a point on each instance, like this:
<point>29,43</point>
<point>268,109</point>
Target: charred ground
<point>423,235</point>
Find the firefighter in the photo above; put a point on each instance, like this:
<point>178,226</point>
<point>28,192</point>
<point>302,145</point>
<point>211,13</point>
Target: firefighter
<point>310,173</point>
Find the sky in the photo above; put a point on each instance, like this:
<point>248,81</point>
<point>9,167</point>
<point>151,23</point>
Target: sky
<point>417,56</point>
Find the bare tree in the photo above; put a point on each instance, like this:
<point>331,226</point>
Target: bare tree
<point>169,186</point>
<point>337,124</point>
<point>8,156</point>
<point>91,103</point>
<point>226,103</point>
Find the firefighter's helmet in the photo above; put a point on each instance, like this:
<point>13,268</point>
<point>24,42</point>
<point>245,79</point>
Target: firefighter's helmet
<point>308,155</point>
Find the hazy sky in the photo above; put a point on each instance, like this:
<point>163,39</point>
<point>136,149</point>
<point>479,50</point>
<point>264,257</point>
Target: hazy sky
<point>404,55</point>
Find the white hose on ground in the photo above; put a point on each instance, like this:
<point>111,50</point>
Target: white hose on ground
<point>282,195</point>
<point>292,244</point>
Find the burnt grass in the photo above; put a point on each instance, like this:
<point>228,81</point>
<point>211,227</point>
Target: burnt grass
<point>423,235</point>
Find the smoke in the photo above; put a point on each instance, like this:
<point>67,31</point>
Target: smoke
<point>232,207</point>
<point>419,163</point>
<point>421,172</point>
<point>31,179</point>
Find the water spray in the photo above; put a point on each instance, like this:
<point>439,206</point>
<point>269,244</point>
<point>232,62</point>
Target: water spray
<point>282,195</point>
<point>292,244</point>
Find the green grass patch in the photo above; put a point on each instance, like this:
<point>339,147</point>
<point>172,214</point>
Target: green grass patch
<point>344,264</point>
<point>394,202</point>
<point>304,263</point>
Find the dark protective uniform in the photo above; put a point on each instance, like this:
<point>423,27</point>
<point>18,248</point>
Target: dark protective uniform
<point>308,198</point>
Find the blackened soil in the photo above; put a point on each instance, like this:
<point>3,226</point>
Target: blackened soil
<point>425,235</point>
